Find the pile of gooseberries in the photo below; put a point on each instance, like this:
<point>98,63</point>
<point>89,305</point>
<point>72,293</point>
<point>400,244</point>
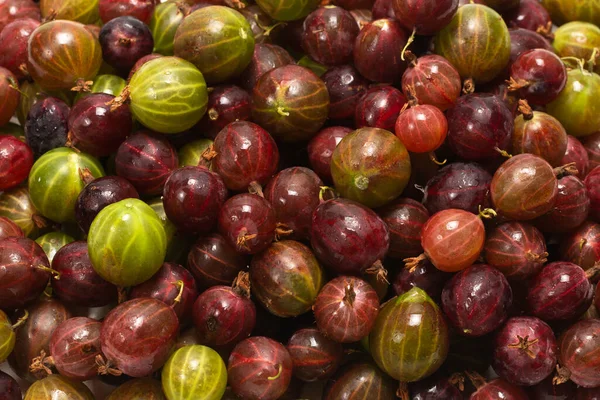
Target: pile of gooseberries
<point>299,199</point>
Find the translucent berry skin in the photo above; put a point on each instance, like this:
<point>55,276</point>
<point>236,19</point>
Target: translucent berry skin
<point>347,236</point>
<point>545,73</point>
<point>524,187</point>
<point>125,40</point>
<point>453,239</point>
<point>265,58</point>
<point>15,163</point>
<point>294,194</point>
<point>379,107</point>
<point>530,15</point>
<point>8,228</point>
<point>561,291</point>
<point>246,153</point>
<point>592,147</point>
<point>259,368</point>
<point>477,300</point>
<point>434,80</point>
<point>329,34</point>
<point>79,283</point>
<point>522,40</point>
<point>74,345</point>
<point>192,198</point>
<point>525,351</point>
<point>405,219</point>
<point>477,125</point>
<point>146,160</point>
<point>426,17</point>
<point>13,44</point>
<point>140,9</point>
<point>516,249</point>
<point>582,246</point>
<point>314,356</point>
<point>321,147</point>
<point>345,86</point>
<point>362,380</point>
<point>499,389</point>
<point>576,153</point>
<point>579,352</point>
<point>95,128</point>
<point>16,9</point>
<point>542,135</point>
<point>465,186</point>
<point>247,221</point>
<point>376,51</point>
<point>226,104</point>
<point>422,128</point>
<point>570,210</point>
<point>346,308</point>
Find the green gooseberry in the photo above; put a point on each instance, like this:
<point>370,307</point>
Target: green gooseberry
<point>577,39</point>
<point>194,372</point>
<point>7,337</point>
<point>127,242</point>
<point>52,242</point>
<point>190,154</point>
<point>288,10</point>
<point>563,11</point>
<point>577,106</point>
<point>164,22</point>
<point>55,182</point>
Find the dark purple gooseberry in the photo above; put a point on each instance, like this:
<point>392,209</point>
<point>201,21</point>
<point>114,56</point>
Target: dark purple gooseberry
<point>517,249</point>
<point>34,335</point>
<point>592,185</point>
<point>383,9</point>
<point>74,346</point>
<point>579,357</point>
<point>96,129</point>
<point>328,35</point>
<point>530,14</point>
<point>247,222</point>
<point>13,44</point>
<point>355,4</point>
<point>140,9</point>
<point>522,40</point>
<point>192,198</point>
<point>245,154</point>
<point>9,229</point>
<point>9,388</point>
<point>225,315</point>
<point>379,107</point>
<point>25,272</point>
<point>497,389</point>
<point>538,75</point>
<point>582,246</point>
<point>525,351</point>
<point>125,40</point>
<point>320,150</point>
<point>214,262</point>
<point>437,386</point>
<point>294,195</point>
<point>314,356</point>
<point>346,309</point>
<point>260,22</point>
<point>465,186</point>
<point>424,17</point>
<point>477,300</point>
<point>405,219</point>
<point>98,194</point>
<point>46,127</point>
<point>173,285</point>
<point>561,291</point>
<point>570,209</point>
<point>259,368</point>
<point>547,390</point>
<point>265,58</point>
<point>126,331</point>
<point>362,17</point>
<point>146,160</point>
<point>16,162</point>
<point>377,48</point>
<point>345,86</point>
<point>576,153</point>
<point>79,284</point>
<point>424,276</point>
<point>434,80</point>
<point>226,104</point>
<point>361,380</point>
<point>348,237</point>
<point>478,124</point>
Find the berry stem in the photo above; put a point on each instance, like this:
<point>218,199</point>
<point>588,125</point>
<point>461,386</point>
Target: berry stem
<point>413,262</point>
<point>55,274</point>
<point>562,375</point>
<point>402,391</point>
<point>503,153</point>
<point>241,284</point>
<point>85,175</point>
<point>180,286</point>
<point>105,368</point>
<point>540,258</point>
<point>525,109</point>
<point>408,43</point>
<point>42,363</point>
<point>468,86</point>
<point>487,213</point>
<point>349,294</point>
<point>523,343</point>
<point>279,370</point>
<point>514,85</point>
<point>282,230</point>
<point>434,159</point>
<point>567,169</point>
<point>379,271</point>
<point>21,320</point>
<point>255,188</point>
<point>476,379</point>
